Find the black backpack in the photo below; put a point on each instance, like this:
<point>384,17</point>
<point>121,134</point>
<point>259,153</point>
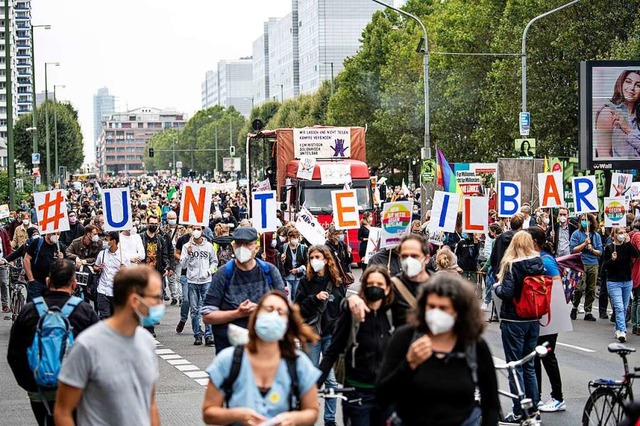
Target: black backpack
<point>467,255</point>
<point>227,385</point>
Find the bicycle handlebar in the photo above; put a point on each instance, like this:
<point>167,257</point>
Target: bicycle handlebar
<point>334,392</point>
<point>540,351</point>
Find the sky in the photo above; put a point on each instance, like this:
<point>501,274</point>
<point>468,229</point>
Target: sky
<point>147,52</point>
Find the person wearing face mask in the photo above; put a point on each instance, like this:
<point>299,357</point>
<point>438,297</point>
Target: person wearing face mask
<point>294,262</point>
<point>37,262</point>
<point>238,286</point>
<point>434,364</point>
<point>320,294</point>
<point>617,259</point>
<point>170,232</point>
<point>61,283</point>
<point>266,379</point>
<point>363,345</point>
<point>85,249</point>
<point>201,262</point>
<point>76,230</point>
<point>561,232</point>
<point>229,219</point>
<point>340,250</point>
<point>20,234</point>
<point>115,354</point>
<point>363,236</point>
<point>131,246</point>
<point>588,243</point>
<point>108,262</point>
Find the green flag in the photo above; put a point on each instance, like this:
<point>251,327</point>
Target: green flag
<point>172,191</point>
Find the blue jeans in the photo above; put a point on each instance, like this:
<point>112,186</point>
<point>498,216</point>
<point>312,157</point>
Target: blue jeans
<point>488,287</point>
<point>197,293</point>
<point>519,339</point>
<point>292,283</point>
<point>314,353</point>
<point>620,293</point>
<point>35,289</point>
<point>363,410</point>
<point>184,306</point>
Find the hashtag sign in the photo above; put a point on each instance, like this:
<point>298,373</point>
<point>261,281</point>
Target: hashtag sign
<point>51,211</point>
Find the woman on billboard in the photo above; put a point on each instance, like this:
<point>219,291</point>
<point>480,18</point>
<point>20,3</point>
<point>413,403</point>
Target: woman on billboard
<point>617,121</point>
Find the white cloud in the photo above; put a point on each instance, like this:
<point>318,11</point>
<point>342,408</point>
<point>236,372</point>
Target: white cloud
<point>147,52</point>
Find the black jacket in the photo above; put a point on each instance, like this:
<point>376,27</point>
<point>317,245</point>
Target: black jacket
<point>24,329</point>
<point>382,258</point>
<point>341,254</point>
<point>164,254</point>
<point>76,230</point>
<point>311,306</point>
<point>511,286</point>
<point>373,336</point>
<point>500,245</point>
<point>301,259</point>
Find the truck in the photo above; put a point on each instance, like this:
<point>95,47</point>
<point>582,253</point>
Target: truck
<point>331,147</point>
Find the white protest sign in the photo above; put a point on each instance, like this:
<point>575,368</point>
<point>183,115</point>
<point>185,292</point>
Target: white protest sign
<point>615,212</point>
<point>117,209</point>
<point>195,203</point>
<point>550,190</point>
<point>620,184</point>
<point>4,211</point>
<point>585,194</point>
<point>263,211</point>
<point>310,228</point>
<point>373,243</point>
<point>335,174</point>
<point>560,312</point>
<point>306,167</point>
<point>264,185</point>
<point>345,209</point>
<point>51,208</point>
<point>223,187</point>
<point>322,142</point>
<point>509,198</point>
<point>445,211</point>
<point>435,236</point>
<point>475,214</point>
<point>634,192</point>
<point>395,222</point>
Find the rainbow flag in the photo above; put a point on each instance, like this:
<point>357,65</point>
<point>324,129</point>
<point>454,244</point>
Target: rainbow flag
<point>446,176</point>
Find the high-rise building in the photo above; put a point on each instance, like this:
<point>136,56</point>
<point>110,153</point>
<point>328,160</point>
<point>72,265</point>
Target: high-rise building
<point>284,72</point>
<point>230,84</point>
<point>120,146</point>
<point>261,89</point>
<point>104,105</point>
<point>21,67</point>
<point>40,97</point>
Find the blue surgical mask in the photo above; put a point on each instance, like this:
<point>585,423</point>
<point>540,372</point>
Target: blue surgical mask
<point>270,326</point>
<point>585,224</point>
<point>341,238</point>
<point>156,312</point>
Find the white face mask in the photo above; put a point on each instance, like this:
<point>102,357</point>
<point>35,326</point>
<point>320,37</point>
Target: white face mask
<point>243,254</point>
<point>620,237</point>
<point>25,222</point>
<point>197,234</point>
<point>439,321</point>
<point>317,264</point>
<point>274,243</point>
<point>545,220</point>
<point>562,219</point>
<point>95,238</point>
<point>53,239</point>
<point>412,267</point>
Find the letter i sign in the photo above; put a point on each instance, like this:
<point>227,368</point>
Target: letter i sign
<point>51,208</point>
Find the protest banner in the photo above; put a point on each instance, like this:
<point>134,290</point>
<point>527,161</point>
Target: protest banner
<point>310,228</point>
<point>475,214</point>
<point>322,142</point>
<point>620,184</point>
<point>306,167</point>
<point>51,208</point>
<point>195,203</point>
<point>373,243</point>
<point>550,190</point>
<point>264,185</point>
<point>263,211</point>
<point>509,198</point>
<point>117,209</point>
<point>560,312</point>
<point>435,236</point>
<point>335,174</point>
<point>585,195</point>
<point>445,211</point>
<point>4,211</point>
<point>395,222</point>
<point>345,209</point>
<point>615,212</point>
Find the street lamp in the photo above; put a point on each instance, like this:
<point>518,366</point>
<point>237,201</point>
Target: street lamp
<point>34,101</point>
<point>46,115</point>
<point>524,49</point>
<point>55,130</point>
<point>426,151</point>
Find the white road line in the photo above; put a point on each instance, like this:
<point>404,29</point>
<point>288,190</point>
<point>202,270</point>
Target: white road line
<point>183,365</point>
<point>178,361</point>
<point>164,351</point>
<point>197,374</point>
<point>203,382</point>
<point>188,367</point>
<point>170,356</point>
<point>576,347</point>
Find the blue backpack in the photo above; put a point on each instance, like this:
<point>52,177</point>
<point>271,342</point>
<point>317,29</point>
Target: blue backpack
<point>229,269</point>
<point>52,340</point>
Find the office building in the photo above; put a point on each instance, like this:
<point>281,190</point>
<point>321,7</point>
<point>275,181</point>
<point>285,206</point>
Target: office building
<point>261,89</point>
<point>229,85</point>
<point>104,105</point>
<point>284,72</point>
<point>40,97</point>
<point>21,68</point>
<point>121,143</point>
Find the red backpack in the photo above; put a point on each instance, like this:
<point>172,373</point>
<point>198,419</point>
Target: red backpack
<point>535,299</point>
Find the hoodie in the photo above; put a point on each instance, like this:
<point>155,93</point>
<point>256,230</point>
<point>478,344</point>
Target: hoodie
<point>201,263</point>
<point>511,286</point>
<point>500,245</point>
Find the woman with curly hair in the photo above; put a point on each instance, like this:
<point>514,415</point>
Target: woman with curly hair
<point>263,388</point>
<point>319,295</point>
<point>434,364</point>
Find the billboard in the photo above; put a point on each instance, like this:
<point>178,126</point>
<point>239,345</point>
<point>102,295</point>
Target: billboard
<point>609,114</point>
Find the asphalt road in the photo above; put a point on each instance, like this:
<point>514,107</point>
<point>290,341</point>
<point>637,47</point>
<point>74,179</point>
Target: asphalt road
<point>582,356</point>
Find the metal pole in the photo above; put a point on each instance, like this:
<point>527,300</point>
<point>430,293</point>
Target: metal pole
<point>175,168</point>
<point>524,50</point>
<point>11,166</point>
<point>427,188</point>
<point>332,83</point>
<point>34,102</point>
<point>216,143</point>
<point>46,129</point>
<point>56,172</point>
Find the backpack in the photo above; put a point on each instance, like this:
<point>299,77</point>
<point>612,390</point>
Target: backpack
<point>35,258</point>
<point>466,255</point>
<point>230,267</point>
<point>51,341</point>
<point>535,299</point>
<point>227,384</point>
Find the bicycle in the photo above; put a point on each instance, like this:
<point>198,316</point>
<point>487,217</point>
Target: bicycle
<point>18,289</point>
<point>337,393</point>
<point>607,398</point>
<point>529,410</point>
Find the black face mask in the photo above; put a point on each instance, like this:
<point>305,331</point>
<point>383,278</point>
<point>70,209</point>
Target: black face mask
<point>373,293</point>
<point>153,228</point>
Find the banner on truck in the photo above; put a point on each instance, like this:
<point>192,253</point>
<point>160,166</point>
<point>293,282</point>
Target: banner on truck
<point>322,142</point>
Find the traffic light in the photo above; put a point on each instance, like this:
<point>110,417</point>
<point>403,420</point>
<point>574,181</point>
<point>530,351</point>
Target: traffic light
<point>232,150</point>
<point>151,153</point>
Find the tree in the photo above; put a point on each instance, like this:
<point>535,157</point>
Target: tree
<point>70,146</point>
<point>163,145</point>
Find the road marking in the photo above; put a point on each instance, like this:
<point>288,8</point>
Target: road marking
<point>183,365</point>
<point>197,374</point>
<point>187,367</point>
<point>181,361</point>
<point>170,356</point>
<point>576,347</point>
<point>164,351</point>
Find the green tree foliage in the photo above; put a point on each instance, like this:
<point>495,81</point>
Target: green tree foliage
<point>70,147</point>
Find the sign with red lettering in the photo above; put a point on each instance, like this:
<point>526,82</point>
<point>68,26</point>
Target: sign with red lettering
<point>475,214</point>
<point>345,209</point>
<point>195,203</point>
<point>51,208</point>
<point>551,190</point>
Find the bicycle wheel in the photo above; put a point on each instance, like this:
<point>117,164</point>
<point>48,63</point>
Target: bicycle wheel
<point>603,408</point>
<point>17,302</point>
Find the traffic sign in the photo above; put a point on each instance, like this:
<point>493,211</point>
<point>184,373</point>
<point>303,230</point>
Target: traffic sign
<point>35,158</point>
<point>525,123</point>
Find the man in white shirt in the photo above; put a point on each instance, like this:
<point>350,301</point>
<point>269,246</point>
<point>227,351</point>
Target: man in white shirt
<point>132,247</point>
<point>108,263</point>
